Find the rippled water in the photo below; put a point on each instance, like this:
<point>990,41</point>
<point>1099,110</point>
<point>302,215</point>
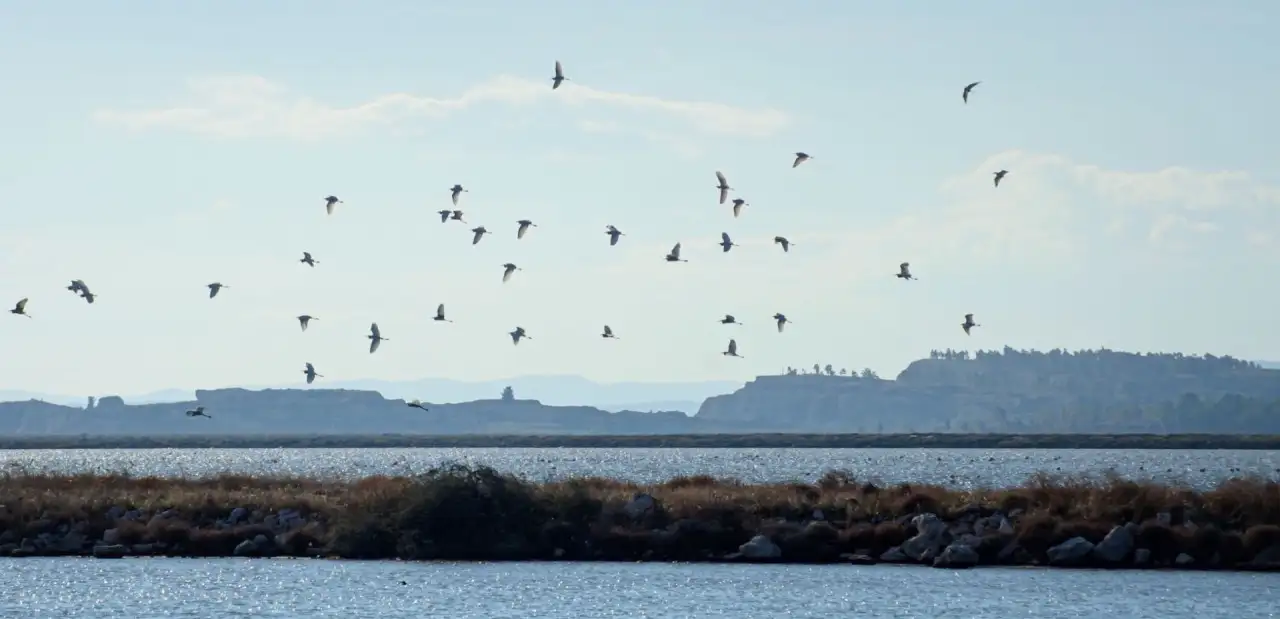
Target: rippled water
<point>959,467</point>
<point>220,588</point>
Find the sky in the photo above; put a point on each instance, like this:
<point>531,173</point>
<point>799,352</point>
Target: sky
<point>150,148</point>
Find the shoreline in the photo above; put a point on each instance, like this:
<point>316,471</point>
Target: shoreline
<point>475,513</point>
<point>674,441</point>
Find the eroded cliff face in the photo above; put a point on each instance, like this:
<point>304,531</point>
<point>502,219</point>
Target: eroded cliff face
<point>326,411</point>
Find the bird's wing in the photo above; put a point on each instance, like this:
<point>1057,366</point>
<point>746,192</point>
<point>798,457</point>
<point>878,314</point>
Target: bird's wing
<point>781,323</point>
<point>310,368</point>
<point>613,239</point>
<point>22,305</point>
<point>724,237</point>
<point>675,251</point>
<point>328,207</point>
<point>506,274</point>
<point>310,378</point>
<point>559,70</point>
<point>373,345</point>
<point>737,206</point>
<point>374,331</point>
<point>440,310</point>
<point>520,232</point>
<point>968,317</point>
<point>720,177</point>
<point>455,197</point>
<point>724,193</point>
<point>733,346</point>
<point>607,330</point>
<point>476,238</point>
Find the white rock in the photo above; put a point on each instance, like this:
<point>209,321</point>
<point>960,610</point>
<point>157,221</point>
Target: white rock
<point>1005,526</point>
<point>1184,559</point>
<point>760,547</point>
<point>930,531</point>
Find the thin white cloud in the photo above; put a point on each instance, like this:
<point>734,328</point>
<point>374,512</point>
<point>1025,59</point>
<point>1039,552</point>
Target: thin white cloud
<point>240,106</point>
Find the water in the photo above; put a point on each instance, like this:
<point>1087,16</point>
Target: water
<point>955,467</point>
<point>221,588</point>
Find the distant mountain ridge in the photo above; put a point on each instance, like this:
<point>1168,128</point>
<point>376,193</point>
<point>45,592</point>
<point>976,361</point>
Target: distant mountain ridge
<point>553,390</point>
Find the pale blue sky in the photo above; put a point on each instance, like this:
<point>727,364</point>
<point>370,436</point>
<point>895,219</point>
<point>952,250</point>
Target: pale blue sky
<point>150,148</point>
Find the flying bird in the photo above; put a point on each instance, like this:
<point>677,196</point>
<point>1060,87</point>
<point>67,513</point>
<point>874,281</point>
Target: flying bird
<point>674,256</point>
<point>782,321</point>
<point>723,186</point>
<point>968,323</point>
<point>197,412</point>
<point>725,242</point>
<point>729,320</point>
<point>782,240</point>
<point>305,320</point>
<point>88,296</point>
<point>457,216</point>
<point>965,94</point>
<point>329,202</point>
<point>904,271</point>
<point>613,233</point>
<point>214,288</point>
<point>308,260</point>
<point>738,203</point>
<point>76,285</point>
<point>517,334</point>
<point>440,314</point>
<point>508,269</point>
<point>479,234</point>
<point>311,373</point>
<point>416,404</point>
<point>524,226</point>
<point>559,76</point>
<point>456,190</point>
<point>20,309</point>
<point>375,338</point>
<point>999,175</point>
<point>608,333</point>
<point>801,158</point>
<point>733,349</point>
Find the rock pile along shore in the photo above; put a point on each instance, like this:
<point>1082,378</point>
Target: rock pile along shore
<point>465,513</point>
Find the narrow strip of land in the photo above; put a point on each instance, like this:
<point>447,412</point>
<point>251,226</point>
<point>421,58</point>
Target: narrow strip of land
<point>674,441</point>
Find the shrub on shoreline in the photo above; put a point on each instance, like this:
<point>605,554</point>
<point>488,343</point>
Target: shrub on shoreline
<point>477,513</point>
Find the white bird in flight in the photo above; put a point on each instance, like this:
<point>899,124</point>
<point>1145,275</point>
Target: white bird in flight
<point>375,338</point>
<point>726,242</point>
<point>508,269</point>
<point>613,233</point>
<point>215,287</point>
<point>479,233</point>
<point>456,190</point>
<point>738,203</point>
<point>968,323</point>
<point>305,320</point>
<point>904,271</point>
<point>440,314</point>
<point>524,226</point>
<point>674,255</point>
<point>517,334</point>
<point>329,202</point>
<point>608,333</point>
<point>198,412</point>
<point>310,371</point>
<point>559,76</point>
<point>723,187</point>
<point>733,349</point>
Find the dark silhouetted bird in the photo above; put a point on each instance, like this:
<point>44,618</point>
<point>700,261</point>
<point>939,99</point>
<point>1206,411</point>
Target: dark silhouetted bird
<point>559,76</point>
<point>968,323</point>
<point>965,94</point>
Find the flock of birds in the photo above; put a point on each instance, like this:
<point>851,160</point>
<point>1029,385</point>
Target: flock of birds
<point>456,214</point>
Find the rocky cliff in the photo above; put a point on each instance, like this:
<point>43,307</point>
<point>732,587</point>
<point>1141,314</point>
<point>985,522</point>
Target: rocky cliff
<point>1016,392</point>
<point>326,411</point>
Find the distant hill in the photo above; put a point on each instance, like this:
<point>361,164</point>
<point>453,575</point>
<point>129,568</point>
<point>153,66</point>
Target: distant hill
<point>552,390</point>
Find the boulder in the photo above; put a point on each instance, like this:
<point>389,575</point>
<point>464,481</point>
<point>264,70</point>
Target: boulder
<point>760,547</point>
<point>1074,551</point>
<point>246,549</point>
<point>1183,559</point>
<point>640,506</point>
<point>1115,547</point>
<point>957,555</point>
<point>108,551</point>
<point>894,555</point>
<point>1141,557</point>
<point>931,535</point>
<point>111,536</point>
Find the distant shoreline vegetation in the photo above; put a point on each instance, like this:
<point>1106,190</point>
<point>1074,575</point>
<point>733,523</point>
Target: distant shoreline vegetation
<point>674,441</point>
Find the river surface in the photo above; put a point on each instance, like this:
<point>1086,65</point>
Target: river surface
<point>163,588</point>
<point>955,467</point>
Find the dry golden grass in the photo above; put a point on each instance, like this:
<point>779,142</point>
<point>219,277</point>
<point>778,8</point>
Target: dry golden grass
<point>460,512</point>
